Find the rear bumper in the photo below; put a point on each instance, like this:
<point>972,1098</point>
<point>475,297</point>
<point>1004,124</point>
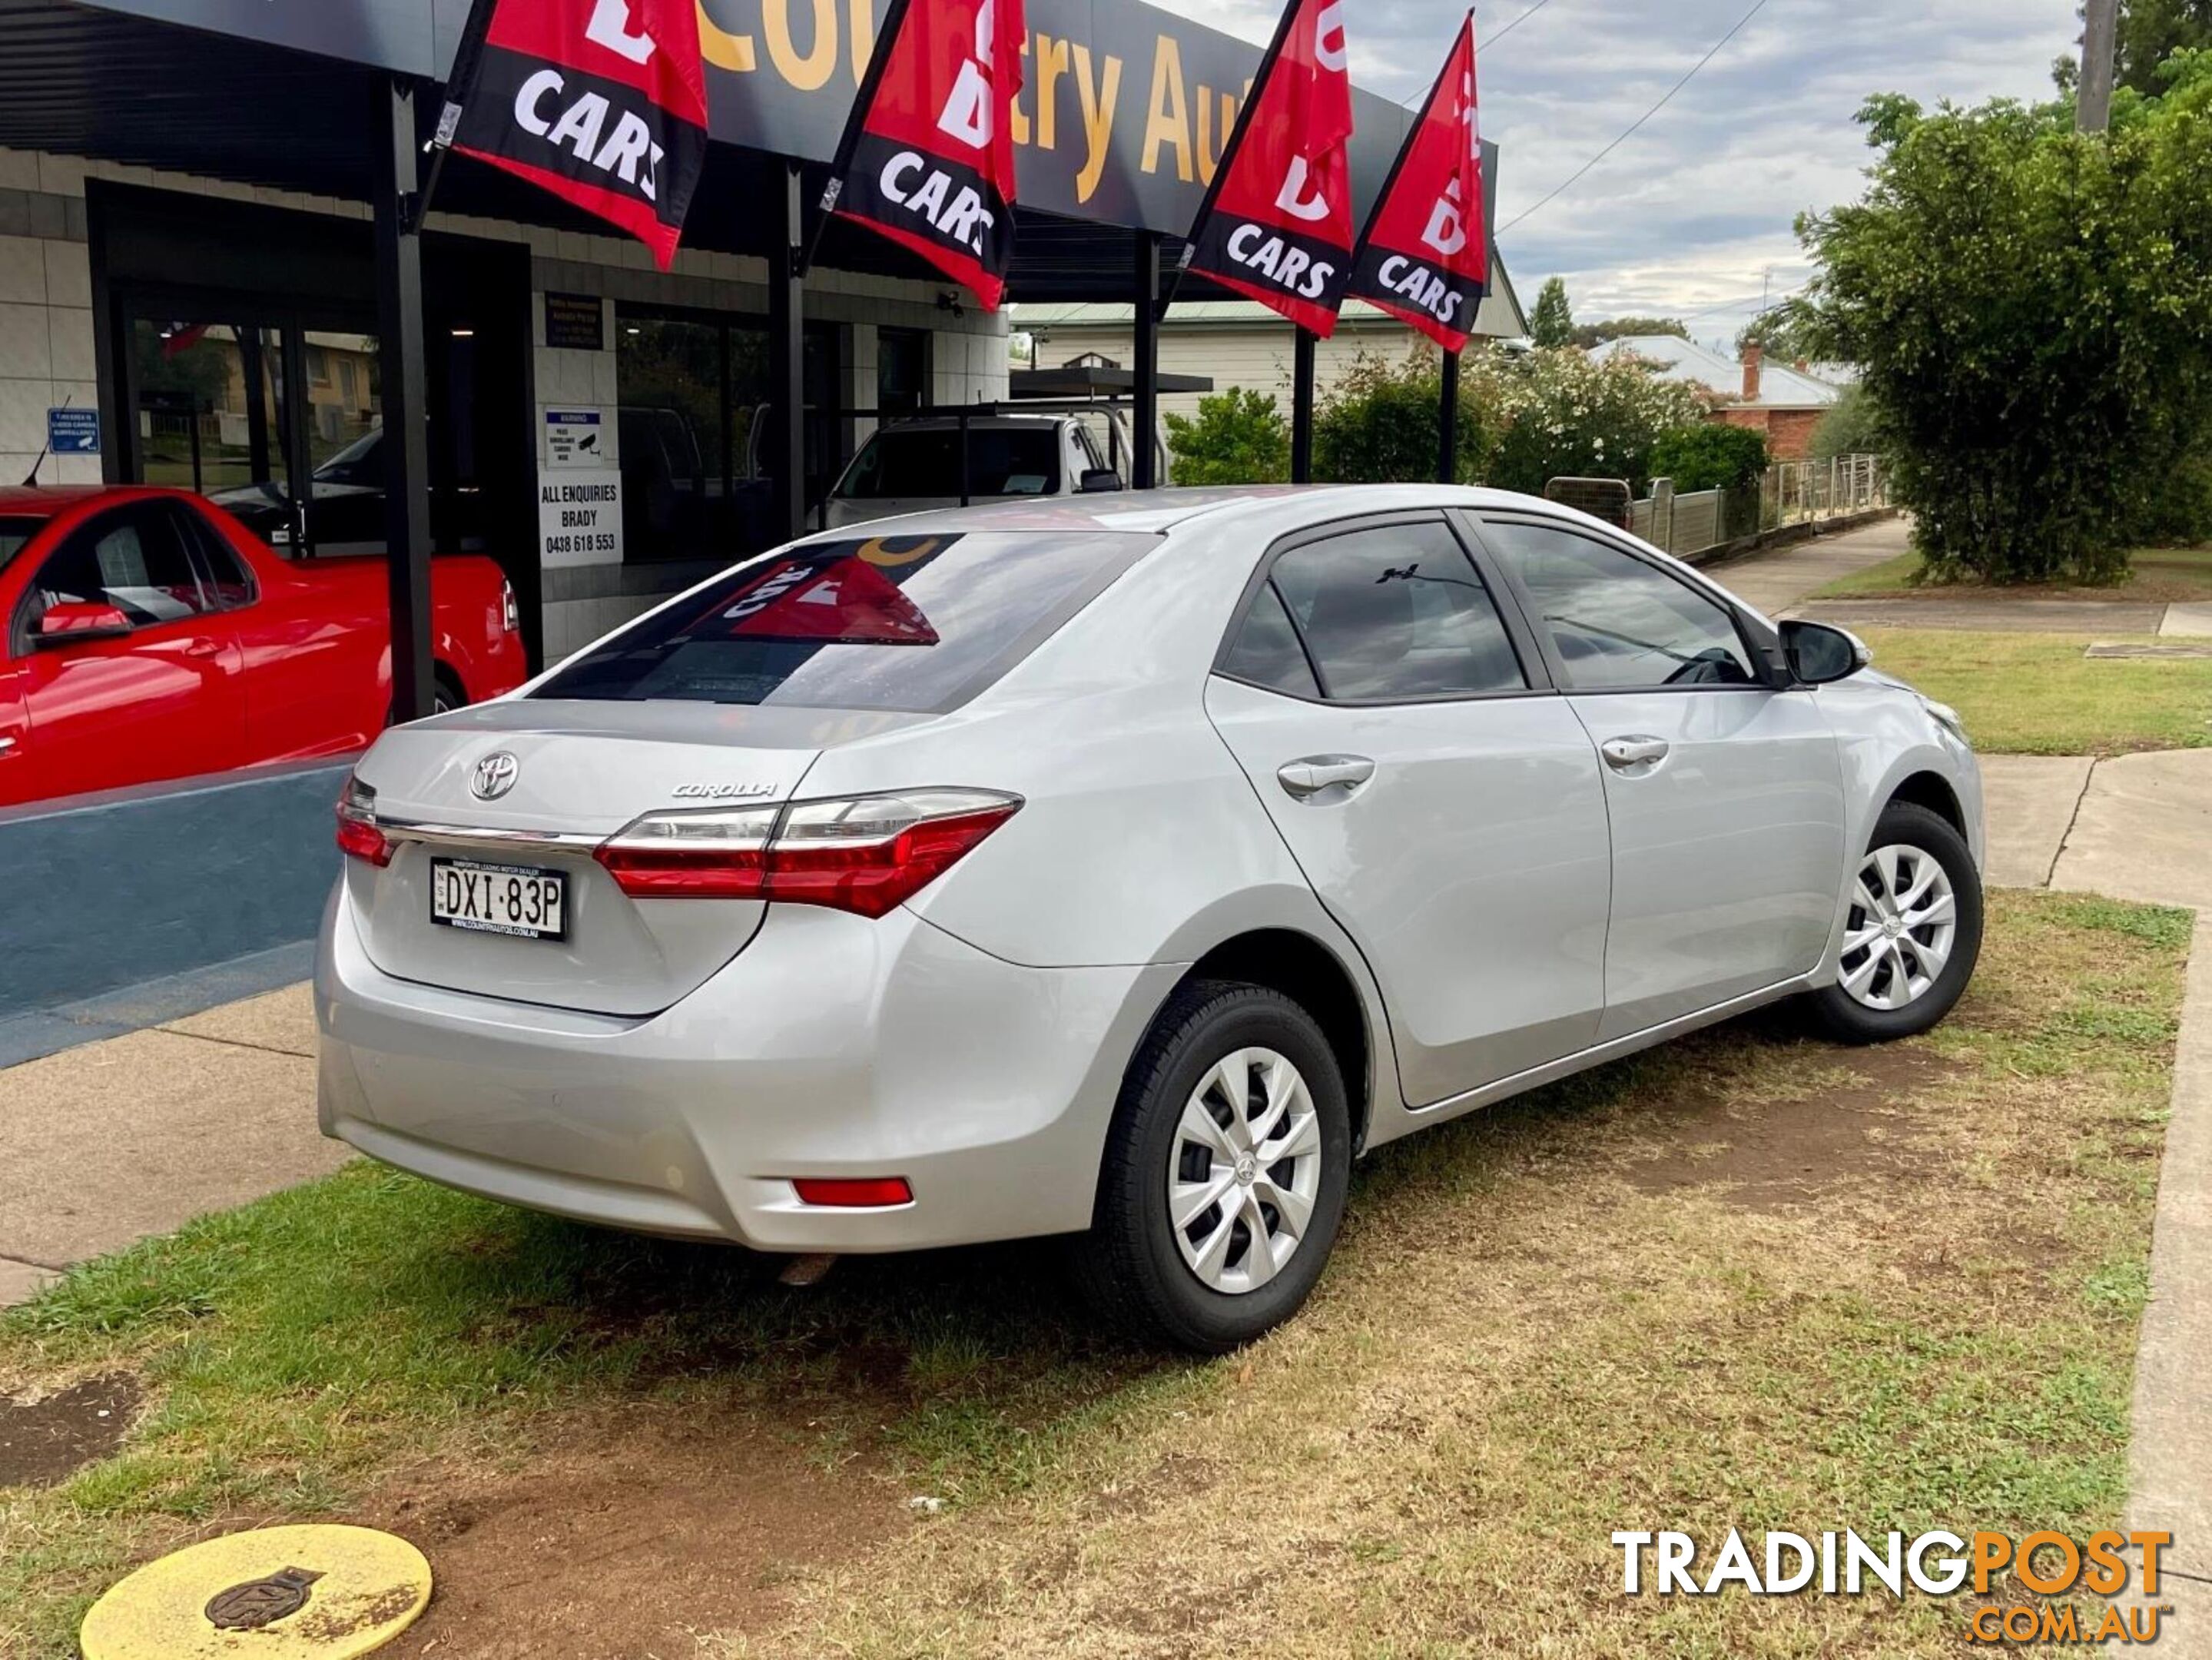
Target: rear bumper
<point>831,1046</point>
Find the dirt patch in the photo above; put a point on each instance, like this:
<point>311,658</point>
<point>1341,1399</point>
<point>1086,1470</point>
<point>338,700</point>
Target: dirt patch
<point>628,1532</point>
<point>43,1442</point>
<point>1769,1156</point>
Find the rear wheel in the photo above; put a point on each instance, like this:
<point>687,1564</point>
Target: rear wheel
<point>1225,1174</point>
<point>1912,934</point>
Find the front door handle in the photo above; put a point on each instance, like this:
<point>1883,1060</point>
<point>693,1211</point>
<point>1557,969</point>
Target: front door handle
<point>1633,755</point>
<point>1309,776</point>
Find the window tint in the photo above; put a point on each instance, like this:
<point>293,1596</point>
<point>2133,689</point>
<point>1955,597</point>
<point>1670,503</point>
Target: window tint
<point>134,560</point>
<point>1617,621</point>
<point>1265,650</point>
<point>924,461</point>
<point>229,582</point>
<point>14,533</point>
<point>917,623</point>
<point>1398,611</point>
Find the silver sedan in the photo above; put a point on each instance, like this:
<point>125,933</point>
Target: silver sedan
<point>1119,868</point>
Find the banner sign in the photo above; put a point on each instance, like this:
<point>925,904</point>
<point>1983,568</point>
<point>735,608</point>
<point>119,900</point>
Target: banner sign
<point>928,156</point>
<point>1277,226</point>
<point>601,102</point>
<point>1426,256</point>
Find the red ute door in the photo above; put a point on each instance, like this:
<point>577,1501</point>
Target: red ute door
<point>160,702</point>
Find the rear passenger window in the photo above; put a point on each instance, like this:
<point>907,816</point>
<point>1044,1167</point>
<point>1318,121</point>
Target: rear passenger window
<point>1266,650</point>
<point>1397,612</point>
<point>134,559</point>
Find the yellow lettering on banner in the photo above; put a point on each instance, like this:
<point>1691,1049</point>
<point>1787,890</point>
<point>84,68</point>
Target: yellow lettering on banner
<point>1098,101</point>
<point>724,50</point>
<point>1019,124</point>
<point>812,72</point>
<point>863,31</point>
<point>1209,152</point>
<point>1166,120</point>
<point>1051,64</point>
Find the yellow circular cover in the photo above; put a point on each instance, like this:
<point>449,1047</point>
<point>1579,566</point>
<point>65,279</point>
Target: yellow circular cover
<point>292,1593</point>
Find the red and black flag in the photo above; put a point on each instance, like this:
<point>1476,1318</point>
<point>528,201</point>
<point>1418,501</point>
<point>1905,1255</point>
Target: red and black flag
<point>601,102</point>
<point>1276,224</point>
<point>1426,257</point>
<point>928,154</point>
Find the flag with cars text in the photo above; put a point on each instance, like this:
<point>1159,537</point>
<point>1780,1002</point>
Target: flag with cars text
<point>601,102</point>
<point>1276,226</point>
<point>928,155</point>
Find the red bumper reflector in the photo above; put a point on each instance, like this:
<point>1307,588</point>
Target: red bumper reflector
<point>862,1193</point>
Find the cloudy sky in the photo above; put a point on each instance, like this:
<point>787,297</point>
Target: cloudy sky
<point>1693,214</point>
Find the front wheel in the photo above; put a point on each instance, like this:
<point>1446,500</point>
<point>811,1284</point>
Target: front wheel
<point>1225,1173</point>
<point>1912,932</point>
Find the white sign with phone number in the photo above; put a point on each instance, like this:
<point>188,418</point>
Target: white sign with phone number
<point>579,520</point>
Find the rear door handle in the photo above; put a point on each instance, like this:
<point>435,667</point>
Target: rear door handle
<point>1633,754</point>
<point>1310,774</point>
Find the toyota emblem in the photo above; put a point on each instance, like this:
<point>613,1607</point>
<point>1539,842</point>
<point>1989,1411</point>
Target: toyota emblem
<point>494,776</point>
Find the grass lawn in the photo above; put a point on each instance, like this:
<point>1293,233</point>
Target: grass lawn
<point>2155,576</point>
<point>1748,1279</point>
<point>2035,694</point>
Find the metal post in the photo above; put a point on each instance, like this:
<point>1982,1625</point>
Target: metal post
<point>786,345</point>
<point>2092,104</point>
<point>967,482</point>
<point>1145,418</point>
<point>1448,424</point>
<point>1301,408</point>
<point>192,429</point>
<point>406,447</point>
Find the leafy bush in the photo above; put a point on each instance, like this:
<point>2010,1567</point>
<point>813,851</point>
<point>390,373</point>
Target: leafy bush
<point>1559,414</point>
<point>2033,310</point>
<point>1710,457</point>
<point>1852,426</point>
<point>1553,323</point>
<point>1381,422</point>
<point>1239,437</point>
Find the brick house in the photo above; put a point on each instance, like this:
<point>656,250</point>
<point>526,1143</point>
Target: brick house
<point>1784,404</point>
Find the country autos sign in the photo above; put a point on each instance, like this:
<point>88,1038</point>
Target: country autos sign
<point>1426,256</point>
<point>1277,224</point>
<point>928,156</point>
<point>601,102</point>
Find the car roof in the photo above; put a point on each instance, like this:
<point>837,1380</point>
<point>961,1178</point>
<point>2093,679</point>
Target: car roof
<point>44,501</point>
<point>1160,512</point>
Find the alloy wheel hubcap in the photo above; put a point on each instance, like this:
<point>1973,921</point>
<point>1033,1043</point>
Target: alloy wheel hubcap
<point>1902,922</point>
<point>1244,1171</point>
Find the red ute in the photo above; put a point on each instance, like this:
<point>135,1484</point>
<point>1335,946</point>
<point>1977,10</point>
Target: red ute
<point>150,636</point>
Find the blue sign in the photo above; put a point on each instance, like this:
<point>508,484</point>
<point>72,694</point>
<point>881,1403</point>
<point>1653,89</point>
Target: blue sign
<point>73,432</point>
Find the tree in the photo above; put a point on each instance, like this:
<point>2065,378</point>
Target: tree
<point>1852,426</point>
<point>1380,422</point>
<point>1563,414</point>
<point>1553,323</point>
<point>1710,456</point>
<point>2150,32</point>
<point>1239,437</point>
<point>1587,335</point>
<point>1785,332</point>
<point>2033,310</point>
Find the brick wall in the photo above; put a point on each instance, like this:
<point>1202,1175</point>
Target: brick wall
<point>1789,433</point>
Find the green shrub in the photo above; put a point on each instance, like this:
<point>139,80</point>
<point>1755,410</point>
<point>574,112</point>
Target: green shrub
<point>1380,422</point>
<point>1852,426</point>
<point>1710,457</point>
<point>1559,414</point>
<point>1239,437</point>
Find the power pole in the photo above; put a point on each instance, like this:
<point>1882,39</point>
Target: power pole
<point>2099,45</point>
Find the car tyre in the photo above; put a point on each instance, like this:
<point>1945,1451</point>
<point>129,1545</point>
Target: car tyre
<point>1132,1267</point>
<point>1907,839</point>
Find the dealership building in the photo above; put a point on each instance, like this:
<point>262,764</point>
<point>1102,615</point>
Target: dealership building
<point>203,278</point>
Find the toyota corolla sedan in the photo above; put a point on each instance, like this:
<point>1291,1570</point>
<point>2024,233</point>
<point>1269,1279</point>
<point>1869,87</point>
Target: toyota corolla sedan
<point>1119,868</point>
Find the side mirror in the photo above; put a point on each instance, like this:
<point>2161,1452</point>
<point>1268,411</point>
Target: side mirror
<point>1819,654</point>
<point>1096,481</point>
<point>74,620</point>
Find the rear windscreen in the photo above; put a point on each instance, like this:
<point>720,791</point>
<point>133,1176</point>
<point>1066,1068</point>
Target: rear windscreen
<point>906,622</point>
<point>925,462</point>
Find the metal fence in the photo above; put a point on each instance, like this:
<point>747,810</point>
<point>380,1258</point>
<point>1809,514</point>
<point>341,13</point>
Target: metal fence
<point>1790,493</point>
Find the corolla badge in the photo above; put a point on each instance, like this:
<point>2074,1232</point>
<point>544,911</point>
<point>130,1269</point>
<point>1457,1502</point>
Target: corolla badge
<point>721,792</point>
<point>493,775</point>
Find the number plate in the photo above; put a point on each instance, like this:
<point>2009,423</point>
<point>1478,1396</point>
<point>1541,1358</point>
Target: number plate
<point>520,900</point>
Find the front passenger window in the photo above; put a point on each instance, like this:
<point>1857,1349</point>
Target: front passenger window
<point>1615,622</point>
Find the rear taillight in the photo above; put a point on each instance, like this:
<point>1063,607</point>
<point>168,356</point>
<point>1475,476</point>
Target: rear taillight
<point>865,854</point>
<point>358,835</point>
<point>510,614</point>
